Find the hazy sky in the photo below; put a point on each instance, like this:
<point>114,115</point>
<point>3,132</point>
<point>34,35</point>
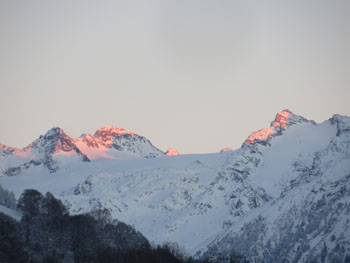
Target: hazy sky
<point>194,75</point>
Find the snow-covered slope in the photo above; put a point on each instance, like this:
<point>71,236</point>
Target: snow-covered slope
<point>283,195</point>
<point>308,216</point>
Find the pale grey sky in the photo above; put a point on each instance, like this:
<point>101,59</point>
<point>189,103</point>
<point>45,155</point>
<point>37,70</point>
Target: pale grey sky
<point>194,75</point>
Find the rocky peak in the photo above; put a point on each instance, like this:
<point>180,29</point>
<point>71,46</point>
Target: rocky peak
<point>296,119</point>
<point>282,121</point>
<point>281,118</point>
<point>115,142</point>
<point>342,122</point>
<point>135,144</point>
<point>7,148</point>
<point>54,133</point>
<point>106,134</point>
<point>172,151</point>
<point>55,140</point>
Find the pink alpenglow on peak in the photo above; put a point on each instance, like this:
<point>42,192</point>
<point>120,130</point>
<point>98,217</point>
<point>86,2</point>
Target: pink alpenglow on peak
<point>172,151</point>
<point>97,146</point>
<point>281,118</point>
<point>87,139</point>
<point>263,134</point>
<point>108,142</point>
<point>112,130</point>
<point>64,145</point>
<point>226,149</point>
<point>4,147</point>
<point>106,134</point>
<point>15,151</point>
<point>91,147</point>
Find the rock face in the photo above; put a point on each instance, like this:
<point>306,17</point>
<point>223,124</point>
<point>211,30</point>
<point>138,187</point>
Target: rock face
<point>49,149</point>
<point>7,148</point>
<point>135,144</point>
<point>282,120</point>
<point>4,150</point>
<point>172,151</point>
<point>105,135</point>
<point>54,142</point>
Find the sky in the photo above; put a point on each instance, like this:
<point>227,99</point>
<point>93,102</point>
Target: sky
<point>195,75</point>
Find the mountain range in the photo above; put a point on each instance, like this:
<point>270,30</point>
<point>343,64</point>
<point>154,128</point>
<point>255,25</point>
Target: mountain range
<point>56,147</point>
<point>284,196</point>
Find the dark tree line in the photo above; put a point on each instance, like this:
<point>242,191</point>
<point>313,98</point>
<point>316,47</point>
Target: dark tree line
<point>7,198</point>
<point>47,233</point>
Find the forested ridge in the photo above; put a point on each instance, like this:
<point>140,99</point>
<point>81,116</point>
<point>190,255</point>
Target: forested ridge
<point>47,233</point>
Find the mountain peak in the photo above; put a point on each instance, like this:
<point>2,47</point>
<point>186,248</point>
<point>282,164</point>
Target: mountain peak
<point>107,133</point>
<point>4,147</point>
<point>172,151</point>
<point>54,141</point>
<point>117,131</point>
<point>342,122</point>
<point>53,132</point>
<point>115,142</point>
<point>283,120</point>
<point>226,149</point>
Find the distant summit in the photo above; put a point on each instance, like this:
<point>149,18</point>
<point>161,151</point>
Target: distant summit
<point>116,143</point>
<point>172,151</point>
<point>55,147</point>
<point>226,149</point>
<point>282,121</point>
<point>7,148</point>
<point>106,134</point>
<point>55,141</point>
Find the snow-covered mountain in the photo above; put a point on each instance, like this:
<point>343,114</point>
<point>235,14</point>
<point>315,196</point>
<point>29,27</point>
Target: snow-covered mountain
<point>284,196</point>
<point>49,150</point>
<point>116,143</point>
<point>56,149</point>
<point>307,216</point>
